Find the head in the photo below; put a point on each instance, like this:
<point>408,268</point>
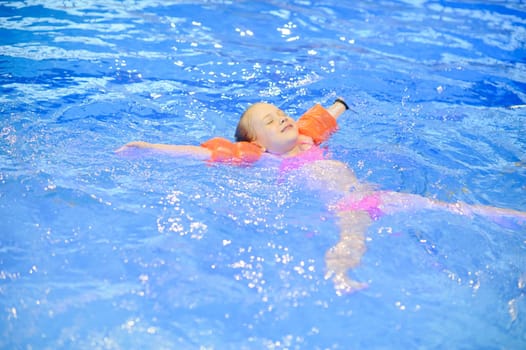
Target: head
<point>269,127</point>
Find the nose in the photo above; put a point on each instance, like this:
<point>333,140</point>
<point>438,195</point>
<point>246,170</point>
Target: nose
<point>283,120</point>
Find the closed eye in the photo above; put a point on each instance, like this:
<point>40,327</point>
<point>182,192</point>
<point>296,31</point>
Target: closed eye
<point>268,119</point>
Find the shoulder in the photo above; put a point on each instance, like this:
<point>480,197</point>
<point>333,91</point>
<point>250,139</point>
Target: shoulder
<point>305,142</point>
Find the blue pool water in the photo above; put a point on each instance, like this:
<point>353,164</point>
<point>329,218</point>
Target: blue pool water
<point>99,251</point>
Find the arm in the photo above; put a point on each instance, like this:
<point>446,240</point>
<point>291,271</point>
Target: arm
<point>319,123</point>
<point>196,152</point>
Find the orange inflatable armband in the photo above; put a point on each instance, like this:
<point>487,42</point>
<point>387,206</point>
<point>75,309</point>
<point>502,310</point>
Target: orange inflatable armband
<point>225,151</point>
<point>317,123</point>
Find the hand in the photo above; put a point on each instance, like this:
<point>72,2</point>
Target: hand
<point>130,145</point>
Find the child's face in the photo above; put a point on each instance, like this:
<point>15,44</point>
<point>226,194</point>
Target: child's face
<point>275,131</point>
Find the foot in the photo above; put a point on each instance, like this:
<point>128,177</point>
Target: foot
<point>345,285</point>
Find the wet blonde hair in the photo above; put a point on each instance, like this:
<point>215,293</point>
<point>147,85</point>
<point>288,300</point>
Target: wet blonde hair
<point>244,130</point>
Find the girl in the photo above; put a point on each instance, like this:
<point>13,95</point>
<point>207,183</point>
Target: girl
<point>266,132</point>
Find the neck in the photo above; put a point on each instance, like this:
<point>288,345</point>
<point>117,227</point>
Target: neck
<point>298,148</point>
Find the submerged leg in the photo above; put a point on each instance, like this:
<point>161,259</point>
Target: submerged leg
<point>397,202</point>
<point>348,252</point>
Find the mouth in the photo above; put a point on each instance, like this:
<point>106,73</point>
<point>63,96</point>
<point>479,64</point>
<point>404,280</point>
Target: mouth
<point>288,126</point>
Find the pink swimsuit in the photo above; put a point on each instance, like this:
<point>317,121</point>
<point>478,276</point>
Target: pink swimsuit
<point>311,155</point>
<point>369,203</point>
